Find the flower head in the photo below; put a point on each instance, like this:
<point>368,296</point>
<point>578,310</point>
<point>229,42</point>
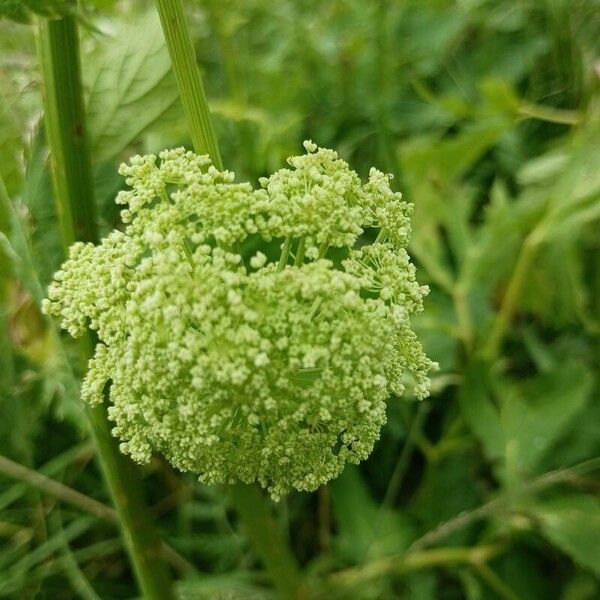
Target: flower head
<point>233,363</point>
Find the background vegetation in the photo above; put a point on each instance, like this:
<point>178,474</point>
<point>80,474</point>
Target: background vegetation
<point>487,112</point>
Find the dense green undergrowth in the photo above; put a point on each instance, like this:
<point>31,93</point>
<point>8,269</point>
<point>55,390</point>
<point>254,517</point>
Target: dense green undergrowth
<point>487,114</point>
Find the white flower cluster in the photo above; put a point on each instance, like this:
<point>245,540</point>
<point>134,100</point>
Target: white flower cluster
<point>234,365</point>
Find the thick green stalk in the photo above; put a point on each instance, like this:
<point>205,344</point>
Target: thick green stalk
<point>249,503</point>
<point>189,82</point>
<point>266,538</point>
<point>11,408</point>
<point>58,45</point>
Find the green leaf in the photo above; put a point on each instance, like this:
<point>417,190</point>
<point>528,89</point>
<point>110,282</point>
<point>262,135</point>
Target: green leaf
<point>8,256</point>
<point>537,412</point>
<point>365,529</point>
<point>11,147</point>
<point>233,585</point>
<point>542,168</point>
<point>449,488</point>
<point>450,157</point>
<point>499,96</point>
<point>573,524</point>
<point>575,195</point>
<point>23,11</point>
<point>131,87</point>
<point>479,411</point>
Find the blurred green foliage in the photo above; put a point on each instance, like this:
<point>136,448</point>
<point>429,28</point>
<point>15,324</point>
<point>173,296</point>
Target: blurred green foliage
<point>487,113</point>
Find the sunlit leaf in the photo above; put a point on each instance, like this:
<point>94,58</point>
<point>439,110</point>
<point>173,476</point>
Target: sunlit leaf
<point>572,523</point>
<point>130,87</point>
<point>538,411</point>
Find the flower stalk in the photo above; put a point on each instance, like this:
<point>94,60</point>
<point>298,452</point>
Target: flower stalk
<point>58,47</point>
<point>189,81</point>
<point>250,504</point>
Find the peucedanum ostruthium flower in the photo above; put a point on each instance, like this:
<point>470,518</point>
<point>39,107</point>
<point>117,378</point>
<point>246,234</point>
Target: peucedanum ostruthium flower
<point>235,363</point>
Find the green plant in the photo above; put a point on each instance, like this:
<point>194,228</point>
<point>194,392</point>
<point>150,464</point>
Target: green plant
<point>238,366</point>
<point>66,127</point>
<point>487,114</point>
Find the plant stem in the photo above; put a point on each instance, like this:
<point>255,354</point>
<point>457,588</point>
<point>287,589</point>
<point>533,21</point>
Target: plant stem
<point>266,538</point>
<point>549,114</point>
<point>383,74</point>
<point>55,488</point>
<point>189,82</point>
<point>401,467</point>
<point>285,253</point>
<point>40,481</point>
<point>249,503</point>
<point>12,410</point>
<point>502,502</point>
<point>58,46</point>
<point>495,583</point>
<point>427,559</point>
<point>299,259</point>
<point>511,296</point>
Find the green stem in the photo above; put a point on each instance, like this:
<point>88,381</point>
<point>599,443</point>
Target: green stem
<point>266,538</point>
<point>427,559</point>
<point>12,409</point>
<point>511,297</point>
<point>495,583</point>
<point>300,252</point>
<point>58,46</point>
<point>401,467</point>
<point>382,25</point>
<point>380,236</point>
<point>323,249</point>
<point>249,503</point>
<point>549,114</point>
<point>285,253</point>
<point>501,503</point>
<point>189,82</point>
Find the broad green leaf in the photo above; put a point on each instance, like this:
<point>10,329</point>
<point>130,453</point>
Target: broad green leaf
<point>479,411</point>
<point>11,147</point>
<point>520,571</point>
<point>542,168</point>
<point>130,87</point>
<point>8,256</point>
<point>582,586</point>
<point>42,230</point>
<point>448,488</point>
<point>537,412</point>
<point>26,11</point>
<point>420,585</point>
<point>449,157</point>
<point>573,524</point>
<point>557,289</point>
<point>23,11</point>
<point>365,529</point>
<point>575,195</point>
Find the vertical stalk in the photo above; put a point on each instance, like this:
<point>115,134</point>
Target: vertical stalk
<point>58,47</point>
<point>383,73</point>
<point>189,82</point>
<point>285,253</point>
<point>511,297</point>
<point>249,503</point>
<point>267,540</point>
<point>7,364</point>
